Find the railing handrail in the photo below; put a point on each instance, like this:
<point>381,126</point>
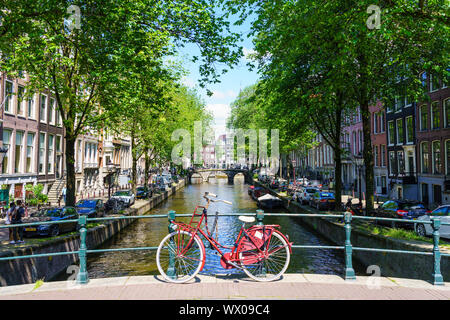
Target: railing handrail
<point>82,277</point>
<point>274,214</point>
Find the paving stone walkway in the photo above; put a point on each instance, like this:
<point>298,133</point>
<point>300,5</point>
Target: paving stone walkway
<point>292,286</point>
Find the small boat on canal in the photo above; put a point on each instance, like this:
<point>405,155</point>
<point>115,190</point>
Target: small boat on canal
<point>257,192</point>
<point>269,202</point>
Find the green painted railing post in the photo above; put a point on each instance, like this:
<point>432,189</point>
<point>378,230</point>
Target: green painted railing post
<point>437,276</point>
<point>259,217</point>
<point>349,272</point>
<point>171,271</point>
<point>82,277</point>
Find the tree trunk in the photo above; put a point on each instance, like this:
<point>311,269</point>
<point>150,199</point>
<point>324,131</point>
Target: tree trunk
<point>134,164</point>
<point>70,167</point>
<point>147,167</point>
<point>338,161</point>
<point>368,157</point>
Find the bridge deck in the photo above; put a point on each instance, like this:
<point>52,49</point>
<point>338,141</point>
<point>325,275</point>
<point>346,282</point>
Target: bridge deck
<point>292,286</point>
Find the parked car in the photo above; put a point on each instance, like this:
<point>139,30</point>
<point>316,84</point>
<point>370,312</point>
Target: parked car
<point>143,192</point>
<point>114,205</point>
<point>443,213</point>
<point>93,208</point>
<point>323,200</point>
<point>315,184</point>
<point>301,181</point>
<point>306,195</point>
<point>125,195</point>
<point>296,195</point>
<point>400,209</point>
<point>52,214</point>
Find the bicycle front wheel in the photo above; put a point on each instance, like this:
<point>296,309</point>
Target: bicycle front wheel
<point>273,266</point>
<point>178,258</point>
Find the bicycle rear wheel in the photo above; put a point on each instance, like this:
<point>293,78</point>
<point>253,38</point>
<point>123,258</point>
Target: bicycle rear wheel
<point>177,262</point>
<point>270,268</point>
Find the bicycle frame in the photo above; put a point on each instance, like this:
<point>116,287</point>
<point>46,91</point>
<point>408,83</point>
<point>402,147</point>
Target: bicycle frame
<point>231,258</point>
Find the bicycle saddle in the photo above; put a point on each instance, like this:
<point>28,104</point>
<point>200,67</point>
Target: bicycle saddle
<point>247,219</point>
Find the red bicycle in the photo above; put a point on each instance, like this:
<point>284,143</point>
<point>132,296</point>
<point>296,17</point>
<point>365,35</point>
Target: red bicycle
<point>261,251</point>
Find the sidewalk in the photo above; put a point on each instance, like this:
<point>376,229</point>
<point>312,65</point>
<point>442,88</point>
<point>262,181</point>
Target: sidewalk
<point>291,286</point>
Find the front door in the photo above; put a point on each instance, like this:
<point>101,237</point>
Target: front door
<point>437,194</point>
<point>18,188</point>
<point>425,197</point>
<point>411,164</point>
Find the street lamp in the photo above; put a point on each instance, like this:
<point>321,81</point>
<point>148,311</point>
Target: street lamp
<point>293,166</point>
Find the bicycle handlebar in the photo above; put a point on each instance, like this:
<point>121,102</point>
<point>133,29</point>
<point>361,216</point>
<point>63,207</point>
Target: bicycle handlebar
<point>208,194</point>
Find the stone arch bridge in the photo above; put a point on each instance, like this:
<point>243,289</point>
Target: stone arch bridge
<point>231,173</point>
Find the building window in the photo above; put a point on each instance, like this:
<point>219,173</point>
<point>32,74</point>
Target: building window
<point>401,162</point>
<point>447,113</point>
<point>436,149</point>
<point>375,123</point>
<point>18,152</point>
<point>409,130</point>
<point>7,144</point>
<point>382,122</point>
<point>392,164</point>
<point>391,133</point>
<point>434,83</point>
<point>43,108</point>
<point>435,116</point>
<point>58,118</point>
<point>360,141</point>
<point>354,142</point>
<point>30,153</point>
<point>399,131</point>
<point>375,154</point>
<point>30,105</point>
<point>425,155</point>
<point>447,156</point>
<point>41,152</point>
<point>20,100</point>
<point>383,155</point>
<point>51,154</point>
<point>424,117</point>
<point>51,113</point>
<point>9,91</point>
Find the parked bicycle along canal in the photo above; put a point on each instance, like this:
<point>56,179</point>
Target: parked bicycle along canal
<point>149,232</point>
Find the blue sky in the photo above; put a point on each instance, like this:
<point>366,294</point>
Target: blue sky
<point>231,83</point>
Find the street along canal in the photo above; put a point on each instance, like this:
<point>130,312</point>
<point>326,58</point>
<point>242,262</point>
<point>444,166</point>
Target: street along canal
<point>149,232</point>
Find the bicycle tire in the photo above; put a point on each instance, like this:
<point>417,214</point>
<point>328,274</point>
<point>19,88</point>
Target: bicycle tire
<point>190,265</point>
<point>263,271</point>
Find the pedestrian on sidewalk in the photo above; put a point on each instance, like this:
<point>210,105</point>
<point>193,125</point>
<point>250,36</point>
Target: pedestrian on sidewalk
<point>17,215</point>
<point>64,191</point>
<point>12,206</point>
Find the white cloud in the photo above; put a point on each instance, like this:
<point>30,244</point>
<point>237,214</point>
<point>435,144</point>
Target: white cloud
<point>248,52</point>
<point>220,112</point>
<point>188,82</point>
<point>217,94</point>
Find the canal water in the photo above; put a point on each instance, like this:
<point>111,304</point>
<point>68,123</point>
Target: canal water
<point>149,232</point>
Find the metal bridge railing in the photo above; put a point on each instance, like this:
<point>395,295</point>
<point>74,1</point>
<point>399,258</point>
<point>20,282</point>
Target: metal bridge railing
<point>82,277</point>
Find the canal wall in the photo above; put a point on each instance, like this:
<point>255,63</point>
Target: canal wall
<point>29,270</point>
<point>399,265</point>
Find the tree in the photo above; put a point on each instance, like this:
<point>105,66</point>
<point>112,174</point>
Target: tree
<point>370,61</point>
<point>78,61</point>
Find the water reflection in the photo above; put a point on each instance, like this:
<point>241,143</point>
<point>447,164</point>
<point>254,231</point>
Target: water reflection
<point>150,232</point>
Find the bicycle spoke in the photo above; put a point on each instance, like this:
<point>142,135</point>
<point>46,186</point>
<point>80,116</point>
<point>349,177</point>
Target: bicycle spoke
<point>170,257</point>
<point>271,267</point>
